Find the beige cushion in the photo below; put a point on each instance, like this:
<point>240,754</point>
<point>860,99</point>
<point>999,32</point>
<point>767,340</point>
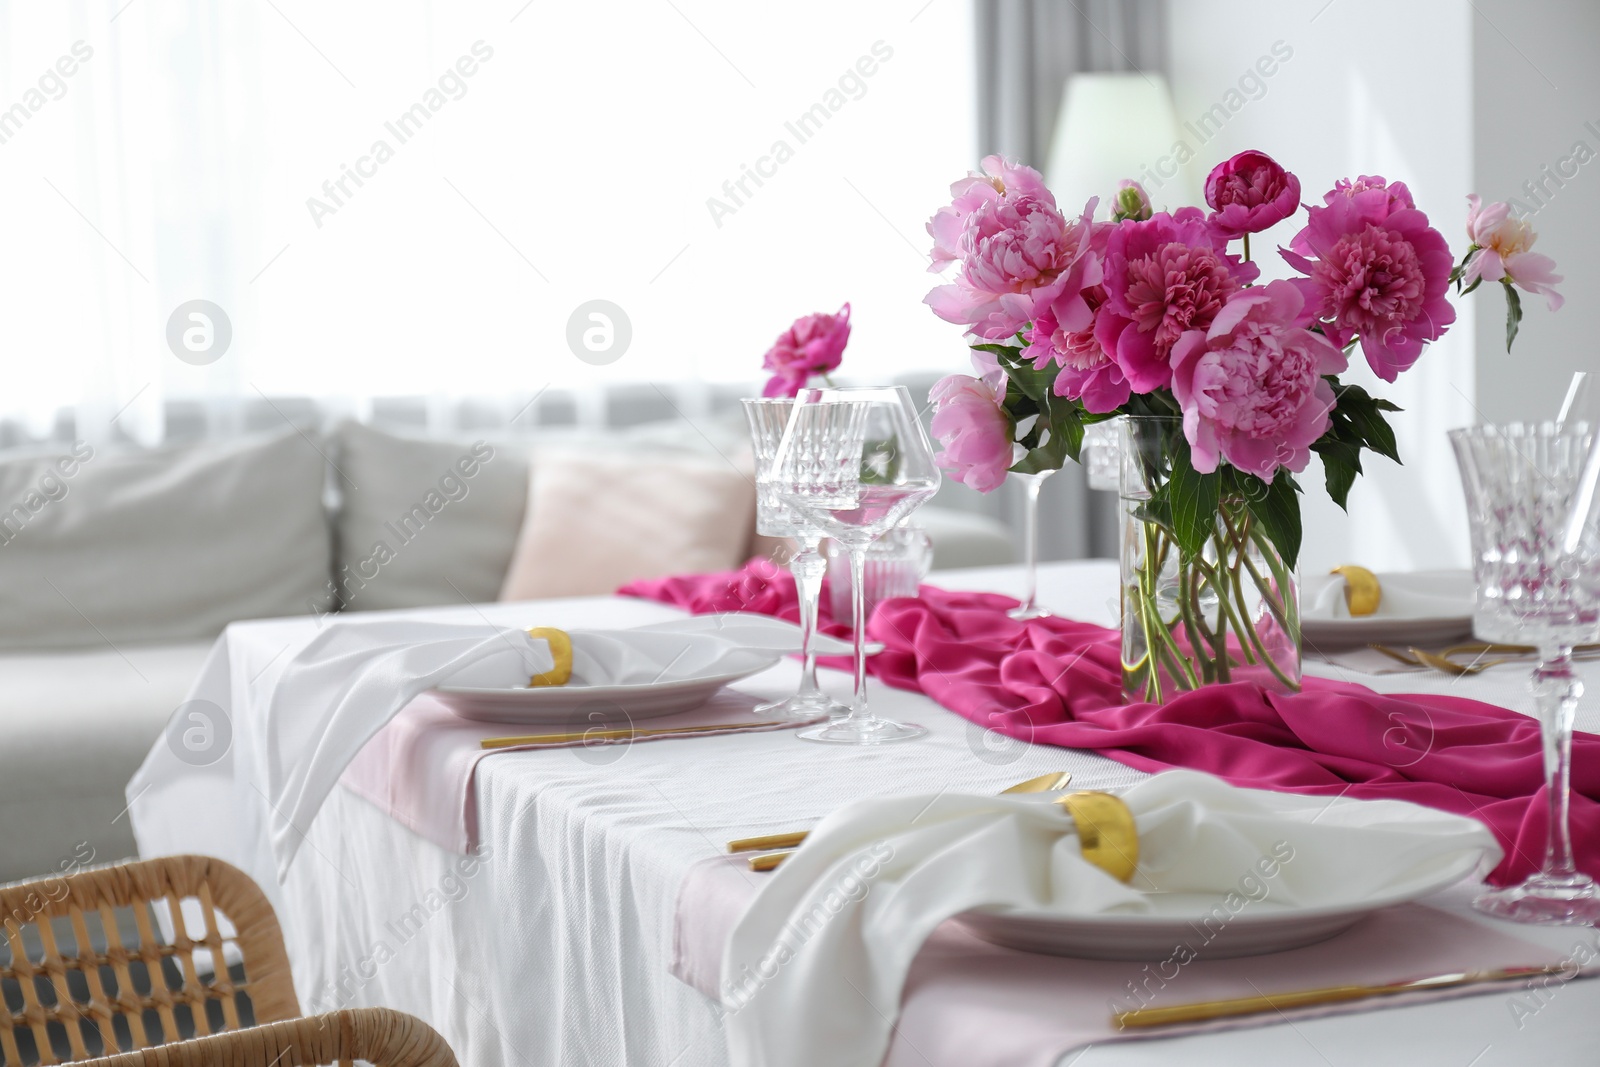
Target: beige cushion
<point>102,548</point>
<point>425,522</point>
<point>599,521</point>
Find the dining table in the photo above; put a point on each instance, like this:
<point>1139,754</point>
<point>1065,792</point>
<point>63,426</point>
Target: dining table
<point>553,943</point>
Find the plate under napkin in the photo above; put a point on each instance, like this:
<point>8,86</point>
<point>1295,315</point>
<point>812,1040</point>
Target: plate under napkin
<point>1417,608</point>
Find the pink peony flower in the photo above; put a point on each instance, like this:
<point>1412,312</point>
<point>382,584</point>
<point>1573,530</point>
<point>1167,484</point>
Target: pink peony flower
<point>1380,272</point>
<point>1249,193</point>
<point>1251,386</point>
<point>1086,372</point>
<point>1393,194</point>
<point>1502,251</point>
<point>813,345</point>
<point>1162,277</point>
<point>973,429</point>
<point>1000,179</point>
<point>1018,255</point>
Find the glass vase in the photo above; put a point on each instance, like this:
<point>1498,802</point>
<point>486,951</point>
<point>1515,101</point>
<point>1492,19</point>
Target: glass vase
<point>1230,613</point>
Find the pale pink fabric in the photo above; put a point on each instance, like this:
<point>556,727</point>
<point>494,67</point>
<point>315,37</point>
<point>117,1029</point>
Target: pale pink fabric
<point>596,522</point>
<point>971,1004</point>
<point>420,767</point>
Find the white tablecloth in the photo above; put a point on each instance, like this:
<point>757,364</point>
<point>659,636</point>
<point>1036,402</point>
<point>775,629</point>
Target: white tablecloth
<point>553,949</point>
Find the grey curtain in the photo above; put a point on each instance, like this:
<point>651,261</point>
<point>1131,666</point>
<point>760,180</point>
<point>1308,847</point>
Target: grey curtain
<point>1026,51</point>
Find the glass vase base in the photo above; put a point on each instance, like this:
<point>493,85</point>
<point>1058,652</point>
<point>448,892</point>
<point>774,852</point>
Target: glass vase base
<point>1024,612</point>
<point>1546,901</point>
<point>804,706</point>
<point>862,732</point>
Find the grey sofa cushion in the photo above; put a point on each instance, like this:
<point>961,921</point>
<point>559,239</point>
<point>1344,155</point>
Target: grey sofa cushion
<point>103,548</point>
<point>74,726</point>
<point>424,522</point>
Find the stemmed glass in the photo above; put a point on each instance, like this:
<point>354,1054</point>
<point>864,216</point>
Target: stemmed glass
<point>1031,484</point>
<point>767,417</point>
<point>855,462</point>
<point>1536,556</point>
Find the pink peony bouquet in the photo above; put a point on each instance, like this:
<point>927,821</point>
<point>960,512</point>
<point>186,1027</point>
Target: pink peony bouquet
<point>1163,313</point>
<point>812,347</point>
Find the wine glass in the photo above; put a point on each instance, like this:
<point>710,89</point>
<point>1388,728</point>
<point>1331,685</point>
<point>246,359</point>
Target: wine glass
<point>767,417</point>
<point>1536,556</point>
<point>1031,484</point>
<point>855,462</point>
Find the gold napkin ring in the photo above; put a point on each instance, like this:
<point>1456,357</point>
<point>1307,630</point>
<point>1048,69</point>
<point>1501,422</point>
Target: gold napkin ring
<point>1106,832</point>
<point>560,651</point>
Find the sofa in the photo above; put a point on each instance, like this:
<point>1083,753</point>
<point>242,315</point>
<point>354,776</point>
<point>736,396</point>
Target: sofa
<point>120,566</point>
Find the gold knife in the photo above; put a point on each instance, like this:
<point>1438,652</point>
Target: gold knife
<point>1222,1009</point>
<point>620,734</point>
<point>1044,783</point>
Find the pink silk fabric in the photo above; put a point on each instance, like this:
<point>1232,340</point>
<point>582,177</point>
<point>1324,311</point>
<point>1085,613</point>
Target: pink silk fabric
<point>1053,681</point>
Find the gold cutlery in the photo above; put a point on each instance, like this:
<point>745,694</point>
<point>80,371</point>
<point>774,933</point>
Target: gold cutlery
<point>619,734</point>
<point>1044,783</point>
<point>1442,661</point>
<point>1222,1009</point>
<point>1396,655</point>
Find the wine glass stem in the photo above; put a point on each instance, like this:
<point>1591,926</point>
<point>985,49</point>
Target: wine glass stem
<point>1557,689</point>
<point>1030,539</point>
<point>858,616</point>
<point>807,566</point>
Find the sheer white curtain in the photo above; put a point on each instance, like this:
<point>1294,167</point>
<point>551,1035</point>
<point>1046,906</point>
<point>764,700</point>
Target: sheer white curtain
<point>413,199</point>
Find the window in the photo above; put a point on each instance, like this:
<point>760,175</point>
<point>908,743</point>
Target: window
<point>393,199</point>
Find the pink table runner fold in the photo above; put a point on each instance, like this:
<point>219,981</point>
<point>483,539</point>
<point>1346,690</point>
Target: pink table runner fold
<point>420,768</point>
<point>1058,682</point>
<point>971,1004</point>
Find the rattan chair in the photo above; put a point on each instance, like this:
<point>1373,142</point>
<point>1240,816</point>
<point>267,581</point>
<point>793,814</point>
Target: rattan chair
<point>379,1036</point>
<point>76,988</point>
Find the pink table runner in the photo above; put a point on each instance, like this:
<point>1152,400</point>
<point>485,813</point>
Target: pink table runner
<point>420,767</point>
<point>969,1003</point>
<point>1057,682</point>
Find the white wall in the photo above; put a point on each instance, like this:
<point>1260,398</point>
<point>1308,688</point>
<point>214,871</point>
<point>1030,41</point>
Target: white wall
<point>1536,95</point>
<point>1370,87</point>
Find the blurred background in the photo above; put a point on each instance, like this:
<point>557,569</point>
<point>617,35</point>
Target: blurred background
<point>401,209</point>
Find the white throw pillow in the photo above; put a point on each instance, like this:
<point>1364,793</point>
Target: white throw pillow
<point>424,522</point>
<point>105,547</point>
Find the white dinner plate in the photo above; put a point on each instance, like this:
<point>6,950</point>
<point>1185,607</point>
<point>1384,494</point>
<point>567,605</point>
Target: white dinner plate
<point>1451,592</point>
<point>588,705</point>
<point>1202,922</point>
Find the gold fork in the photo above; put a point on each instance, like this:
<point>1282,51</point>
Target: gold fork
<point>1044,783</point>
<point>1441,661</point>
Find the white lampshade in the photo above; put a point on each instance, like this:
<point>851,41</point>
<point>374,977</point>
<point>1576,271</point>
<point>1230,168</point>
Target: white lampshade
<point>1116,126</point>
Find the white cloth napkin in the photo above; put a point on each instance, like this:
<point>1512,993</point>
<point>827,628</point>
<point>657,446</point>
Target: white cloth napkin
<point>1413,595</point>
<point>308,715</point>
<point>827,944</point>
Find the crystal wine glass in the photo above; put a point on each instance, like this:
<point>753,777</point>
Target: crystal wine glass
<point>767,417</point>
<point>1031,484</point>
<point>1536,556</point>
<point>855,462</point>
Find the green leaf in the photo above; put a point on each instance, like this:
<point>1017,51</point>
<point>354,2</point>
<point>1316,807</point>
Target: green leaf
<point>1066,423</point>
<point>1358,418</point>
<point>1002,351</point>
<point>1157,511</point>
<point>1276,506</point>
<point>1033,384</point>
<point>1194,498</point>
<point>1341,463</point>
<point>1513,311</point>
<point>1049,456</point>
